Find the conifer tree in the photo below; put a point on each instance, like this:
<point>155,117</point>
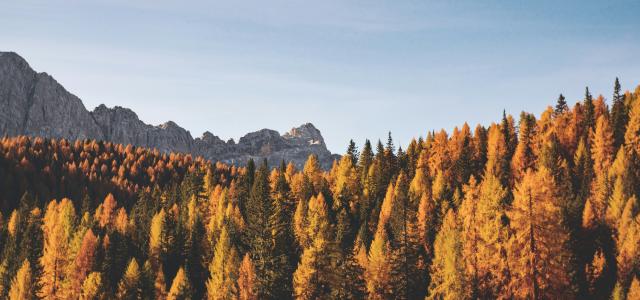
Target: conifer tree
<point>223,270</point>
<point>538,253</point>
<point>447,270</point>
<point>246,279</point>
<point>524,157</point>
<point>130,286</point>
<point>561,106</point>
<point>180,288</point>
<point>379,267</point>
<point>22,285</point>
<point>57,228</point>
<point>92,287</point>
<point>589,113</point>
<point>315,276</point>
<point>618,115</point>
<point>264,226</point>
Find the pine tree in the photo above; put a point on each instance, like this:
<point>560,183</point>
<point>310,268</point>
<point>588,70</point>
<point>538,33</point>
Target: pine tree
<point>447,271</point>
<point>264,226</point>
<point>22,285</point>
<point>589,113</point>
<point>618,115</point>
<point>561,105</point>
<point>538,253</point>
<point>352,152</point>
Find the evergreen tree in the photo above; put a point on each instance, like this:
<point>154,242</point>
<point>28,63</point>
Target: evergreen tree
<point>618,115</point>
<point>561,105</point>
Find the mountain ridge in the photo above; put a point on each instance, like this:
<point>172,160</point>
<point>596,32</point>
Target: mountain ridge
<point>34,103</point>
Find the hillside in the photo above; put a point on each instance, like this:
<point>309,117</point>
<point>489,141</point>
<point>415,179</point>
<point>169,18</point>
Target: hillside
<point>545,209</point>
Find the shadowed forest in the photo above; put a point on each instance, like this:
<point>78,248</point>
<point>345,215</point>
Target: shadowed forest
<point>532,207</point>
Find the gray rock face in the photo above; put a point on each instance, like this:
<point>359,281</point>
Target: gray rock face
<point>35,104</point>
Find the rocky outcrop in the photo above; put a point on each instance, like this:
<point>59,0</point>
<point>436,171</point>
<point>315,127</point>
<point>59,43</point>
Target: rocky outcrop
<point>35,104</point>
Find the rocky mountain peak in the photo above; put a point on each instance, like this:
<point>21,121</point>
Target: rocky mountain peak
<point>36,104</point>
<point>305,133</point>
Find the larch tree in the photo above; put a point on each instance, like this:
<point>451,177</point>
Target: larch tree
<point>58,229</point>
<point>180,287</point>
<point>223,270</point>
<point>83,263</point>
<point>92,288</point>
<point>246,279</point>
<point>448,280</point>
<point>22,285</point>
<point>130,286</point>
<point>602,152</point>
<point>537,252</point>
<point>316,273</point>
<point>379,267</point>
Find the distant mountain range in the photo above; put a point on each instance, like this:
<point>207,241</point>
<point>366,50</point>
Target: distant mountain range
<point>35,104</point>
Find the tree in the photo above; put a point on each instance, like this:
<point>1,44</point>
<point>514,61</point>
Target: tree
<point>264,231</point>
<point>538,253</point>
<point>92,287</point>
<point>602,152</point>
<point>447,270</point>
<point>22,285</point>
<point>497,162</point>
<point>83,263</point>
<point>246,279</point>
<point>180,288</point>
<point>315,276</point>
<point>379,267</point>
<point>524,157</point>
<point>561,105</point>
<point>589,112</point>
<point>130,286</point>
<point>618,115</point>
<point>57,228</point>
<point>223,270</point>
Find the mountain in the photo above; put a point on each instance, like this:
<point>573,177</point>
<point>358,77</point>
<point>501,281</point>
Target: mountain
<point>35,104</point>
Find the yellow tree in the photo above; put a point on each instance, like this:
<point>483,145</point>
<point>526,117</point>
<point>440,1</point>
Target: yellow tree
<point>83,263</point>
<point>379,266</point>
<point>180,288</point>
<point>315,274</point>
<point>22,285</point>
<point>602,154</point>
<point>247,279</point>
<point>223,270</point>
<point>447,270</point>
<point>130,286</point>
<point>537,252</point>
<point>92,288</point>
<point>58,229</point>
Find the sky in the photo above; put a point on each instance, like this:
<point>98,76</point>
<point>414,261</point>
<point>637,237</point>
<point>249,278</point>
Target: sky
<point>355,69</point>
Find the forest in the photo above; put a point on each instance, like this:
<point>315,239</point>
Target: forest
<point>530,207</point>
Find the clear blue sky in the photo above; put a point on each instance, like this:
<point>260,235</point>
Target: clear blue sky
<point>356,69</point>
